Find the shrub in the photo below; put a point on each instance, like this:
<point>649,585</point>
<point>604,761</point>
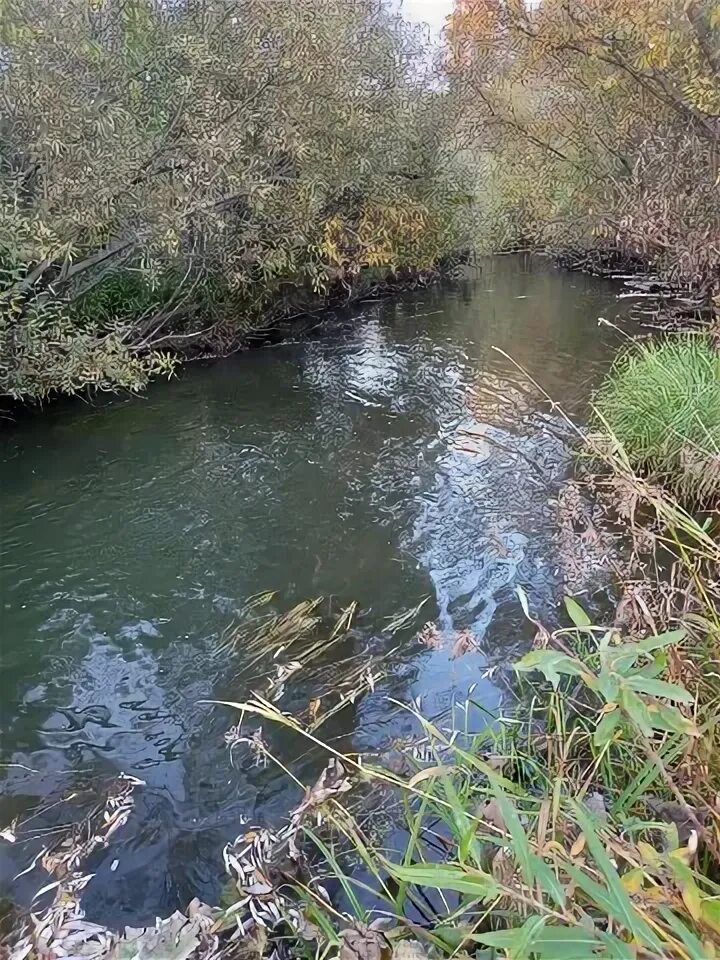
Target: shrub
<point>661,402</point>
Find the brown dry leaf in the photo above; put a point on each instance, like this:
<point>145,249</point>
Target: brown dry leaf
<point>496,762</point>
<point>430,636</point>
<point>577,848</point>
<point>503,867</point>
<point>409,950</point>
<point>427,774</point>
<point>362,943</point>
<point>313,707</point>
<point>252,947</point>
<point>491,814</point>
<point>464,642</point>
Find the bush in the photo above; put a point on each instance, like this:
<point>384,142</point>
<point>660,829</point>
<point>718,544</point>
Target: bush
<point>661,402</point>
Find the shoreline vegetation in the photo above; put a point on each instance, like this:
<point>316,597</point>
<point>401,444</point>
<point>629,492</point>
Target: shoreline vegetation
<point>247,159</point>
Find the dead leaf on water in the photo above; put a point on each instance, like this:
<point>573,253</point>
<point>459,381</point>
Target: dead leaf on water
<point>430,636</point>
<point>464,642</point>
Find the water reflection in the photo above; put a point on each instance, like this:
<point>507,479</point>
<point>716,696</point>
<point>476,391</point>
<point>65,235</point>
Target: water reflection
<point>392,457</point>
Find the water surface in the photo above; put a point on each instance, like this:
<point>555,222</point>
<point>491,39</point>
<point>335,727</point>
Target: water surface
<point>392,456</point>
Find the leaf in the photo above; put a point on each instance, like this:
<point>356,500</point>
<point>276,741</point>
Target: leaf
<point>533,867</point>
<point>464,642</point>
<point>637,711</point>
<point>661,640</point>
<point>711,913</point>
<point>426,774</point>
<point>409,950</point>
<point>605,729</point>
<point>618,902</point>
<point>552,663</point>
<point>173,939</point>
<point>576,613</point>
<point>660,688</point>
<point>695,948</point>
<point>522,596</point>
<point>578,846</point>
<point>479,885</point>
<point>634,880</point>
<point>547,942</point>
<point>362,943</point>
<point>671,720</point>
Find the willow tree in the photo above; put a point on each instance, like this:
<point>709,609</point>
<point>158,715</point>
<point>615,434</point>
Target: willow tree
<point>600,125</point>
<point>169,171</point>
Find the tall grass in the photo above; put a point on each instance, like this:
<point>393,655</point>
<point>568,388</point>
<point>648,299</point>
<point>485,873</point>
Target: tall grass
<point>661,402</point>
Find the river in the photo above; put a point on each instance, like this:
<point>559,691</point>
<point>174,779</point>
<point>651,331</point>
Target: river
<point>392,456</point>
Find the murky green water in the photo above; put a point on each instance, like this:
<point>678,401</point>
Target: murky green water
<point>394,455</point>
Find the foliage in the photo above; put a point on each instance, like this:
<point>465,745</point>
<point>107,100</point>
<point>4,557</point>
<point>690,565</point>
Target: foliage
<point>597,126</point>
<point>661,402</point>
<point>169,173</point>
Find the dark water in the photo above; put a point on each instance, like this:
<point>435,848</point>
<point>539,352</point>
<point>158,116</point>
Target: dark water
<point>393,456</point>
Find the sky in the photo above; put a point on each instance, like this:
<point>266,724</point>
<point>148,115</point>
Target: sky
<point>432,12</point>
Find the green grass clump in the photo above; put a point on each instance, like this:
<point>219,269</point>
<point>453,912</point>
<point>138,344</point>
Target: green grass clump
<point>661,401</point>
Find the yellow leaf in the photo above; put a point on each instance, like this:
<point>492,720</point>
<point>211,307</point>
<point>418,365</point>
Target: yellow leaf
<point>692,898</point>
<point>634,880</point>
<point>426,775</point>
<point>649,854</point>
<point>577,848</point>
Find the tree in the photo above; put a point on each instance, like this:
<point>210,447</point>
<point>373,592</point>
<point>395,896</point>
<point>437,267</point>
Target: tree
<point>166,169</point>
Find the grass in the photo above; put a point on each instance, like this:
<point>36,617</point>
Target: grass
<point>661,402</point>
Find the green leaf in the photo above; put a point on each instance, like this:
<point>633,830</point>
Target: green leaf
<point>659,688</point>
<point>479,885</point>
<point>576,613</point>
<point>670,720</point>
<point>653,669</point>
<point>637,711</point>
<point>608,686</point>
<point>694,946</point>
<point>552,663</point>
<point>532,866</point>
<point>661,640</point>
<point>548,943</point>
<point>606,728</point>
